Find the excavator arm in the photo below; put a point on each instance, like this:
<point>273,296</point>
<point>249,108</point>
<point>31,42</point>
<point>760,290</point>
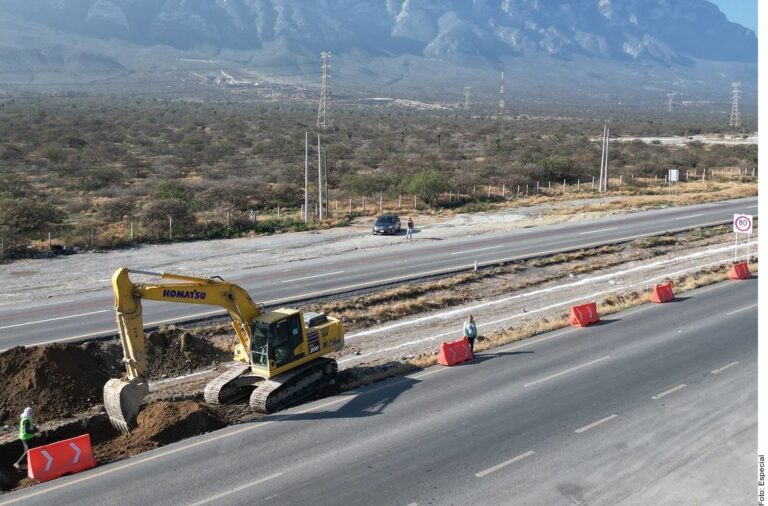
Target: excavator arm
<point>123,399</point>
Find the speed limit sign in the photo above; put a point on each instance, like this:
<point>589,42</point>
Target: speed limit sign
<point>742,224</point>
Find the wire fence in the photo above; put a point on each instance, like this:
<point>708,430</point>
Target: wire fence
<point>90,233</point>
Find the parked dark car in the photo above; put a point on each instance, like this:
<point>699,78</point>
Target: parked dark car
<point>387,224</point>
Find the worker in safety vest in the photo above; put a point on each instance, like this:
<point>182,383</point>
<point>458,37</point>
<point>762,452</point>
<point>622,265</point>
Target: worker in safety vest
<point>27,432</point>
<point>470,332</point>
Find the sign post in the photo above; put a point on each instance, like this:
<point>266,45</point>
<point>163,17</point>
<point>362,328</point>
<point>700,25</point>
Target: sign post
<point>674,175</point>
<point>742,224</point>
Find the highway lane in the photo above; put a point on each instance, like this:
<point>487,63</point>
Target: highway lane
<point>656,405</point>
<point>90,315</point>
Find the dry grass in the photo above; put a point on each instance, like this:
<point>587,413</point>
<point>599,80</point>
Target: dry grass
<point>609,304</point>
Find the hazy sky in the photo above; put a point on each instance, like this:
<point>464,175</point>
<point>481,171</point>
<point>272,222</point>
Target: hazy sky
<point>740,11</point>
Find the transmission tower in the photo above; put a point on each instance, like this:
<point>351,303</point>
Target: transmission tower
<point>670,99</point>
<point>324,116</point>
<point>735,97</point>
<point>501,97</point>
<point>467,91</point>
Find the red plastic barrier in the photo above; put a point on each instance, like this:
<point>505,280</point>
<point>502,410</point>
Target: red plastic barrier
<point>740,270</point>
<point>584,315</point>
<point>455,352</point>
<point>52,461</point>
<point>662,293</point>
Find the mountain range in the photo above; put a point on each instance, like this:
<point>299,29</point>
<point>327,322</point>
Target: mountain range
<point>588,48</point>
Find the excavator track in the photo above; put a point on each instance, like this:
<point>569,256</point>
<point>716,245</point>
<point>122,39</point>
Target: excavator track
<point>226,387</point>
<point>285,390</point>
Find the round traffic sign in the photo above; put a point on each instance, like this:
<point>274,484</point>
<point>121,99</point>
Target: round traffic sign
<point>743,224</point>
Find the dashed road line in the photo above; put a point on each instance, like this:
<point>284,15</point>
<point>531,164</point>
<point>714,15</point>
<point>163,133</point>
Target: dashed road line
<point>503,464</point>
<point>479,249</point>
<point>667,392</point>
<point>572,369</point>
<point>68,317</point>
<point>595,424</point>
<point>740,310</point>
<point>598,231</point>
<point>312,277</point>
<point>236,489</point>
<point>726,366</point>
<point>689,216</point>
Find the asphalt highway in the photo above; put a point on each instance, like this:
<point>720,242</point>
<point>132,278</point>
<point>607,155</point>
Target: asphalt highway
<point>656,405</point>
<point>90,314</point>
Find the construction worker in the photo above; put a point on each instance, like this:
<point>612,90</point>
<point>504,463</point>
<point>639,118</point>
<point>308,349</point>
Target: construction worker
<point>27,432</point>
<point>470,332</point>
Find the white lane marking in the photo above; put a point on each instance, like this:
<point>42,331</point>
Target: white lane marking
<point>689,216</point>
<point>740,310</point>
<point>312,277</point>
<point>414,504</point>
<point>595,424</point>
<point>752,207</point>
<point>727,366</point>
<point>572,369</point>
<point>237,489</point>
<point>598,231</point>
<point>476,250</point>
<point>667,392</point>
<point>68,317</point>
<point>503,464</point>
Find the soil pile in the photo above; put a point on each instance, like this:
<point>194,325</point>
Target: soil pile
<point>56,380</point>
<point>159,424</point>
<point>174,352</point>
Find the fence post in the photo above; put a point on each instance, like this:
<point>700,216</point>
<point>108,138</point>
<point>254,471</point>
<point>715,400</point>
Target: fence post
<point>621,179</point>
<point>227,219</point>
<point>400,201</point>
<point>549,185</point>
<point>537,187</point>
<point>381,203</point>
<point>414,201</point>
<point>363,204</point>
<point>526,188</point>
<point>131,230</point>
<point>504,190</point>
<point>578,185</point>
<point>350,206</point>
<point>450,197</point>
<point>170,227</point>
<point>563,185</point>
<point>593,182</point>
<point>489,191</point>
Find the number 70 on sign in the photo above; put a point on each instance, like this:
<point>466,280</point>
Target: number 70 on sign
<point>742,224</point>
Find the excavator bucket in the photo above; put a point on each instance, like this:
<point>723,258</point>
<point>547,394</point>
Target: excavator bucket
<point>122,400</point>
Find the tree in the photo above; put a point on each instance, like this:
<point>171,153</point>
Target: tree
<point>158,214</point>
<point>428,184</point>
<point>23,219</point>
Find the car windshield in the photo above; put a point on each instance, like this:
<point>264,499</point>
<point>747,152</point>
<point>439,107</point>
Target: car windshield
<point>386,219</point>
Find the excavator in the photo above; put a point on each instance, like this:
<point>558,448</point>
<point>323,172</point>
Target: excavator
<point>279,356</point>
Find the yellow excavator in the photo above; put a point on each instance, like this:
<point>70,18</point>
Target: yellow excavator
<point>279,356</point>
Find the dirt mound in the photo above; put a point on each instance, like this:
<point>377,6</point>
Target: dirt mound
<point>56,380</point>
<point>159,424</point>
<point>173,352</point>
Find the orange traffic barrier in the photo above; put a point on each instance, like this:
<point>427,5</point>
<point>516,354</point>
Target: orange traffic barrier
<point>663,293</point>
<point>455,352</point>
<point>740,270</point>
<point>46,463</point>
<point>584,315</point>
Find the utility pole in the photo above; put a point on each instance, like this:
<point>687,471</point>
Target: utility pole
<point>605,171</point>
<point>319,181</point>
<point>325,178</point>
<point>602,161</point>
<point>306,177</point>
<point>467,92</point>
<point>502,104</point>
<point>324,116</point>
<point>735,113</point>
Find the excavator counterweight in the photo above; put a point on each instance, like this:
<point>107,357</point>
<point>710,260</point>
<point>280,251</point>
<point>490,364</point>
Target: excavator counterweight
<point>278,359</point>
